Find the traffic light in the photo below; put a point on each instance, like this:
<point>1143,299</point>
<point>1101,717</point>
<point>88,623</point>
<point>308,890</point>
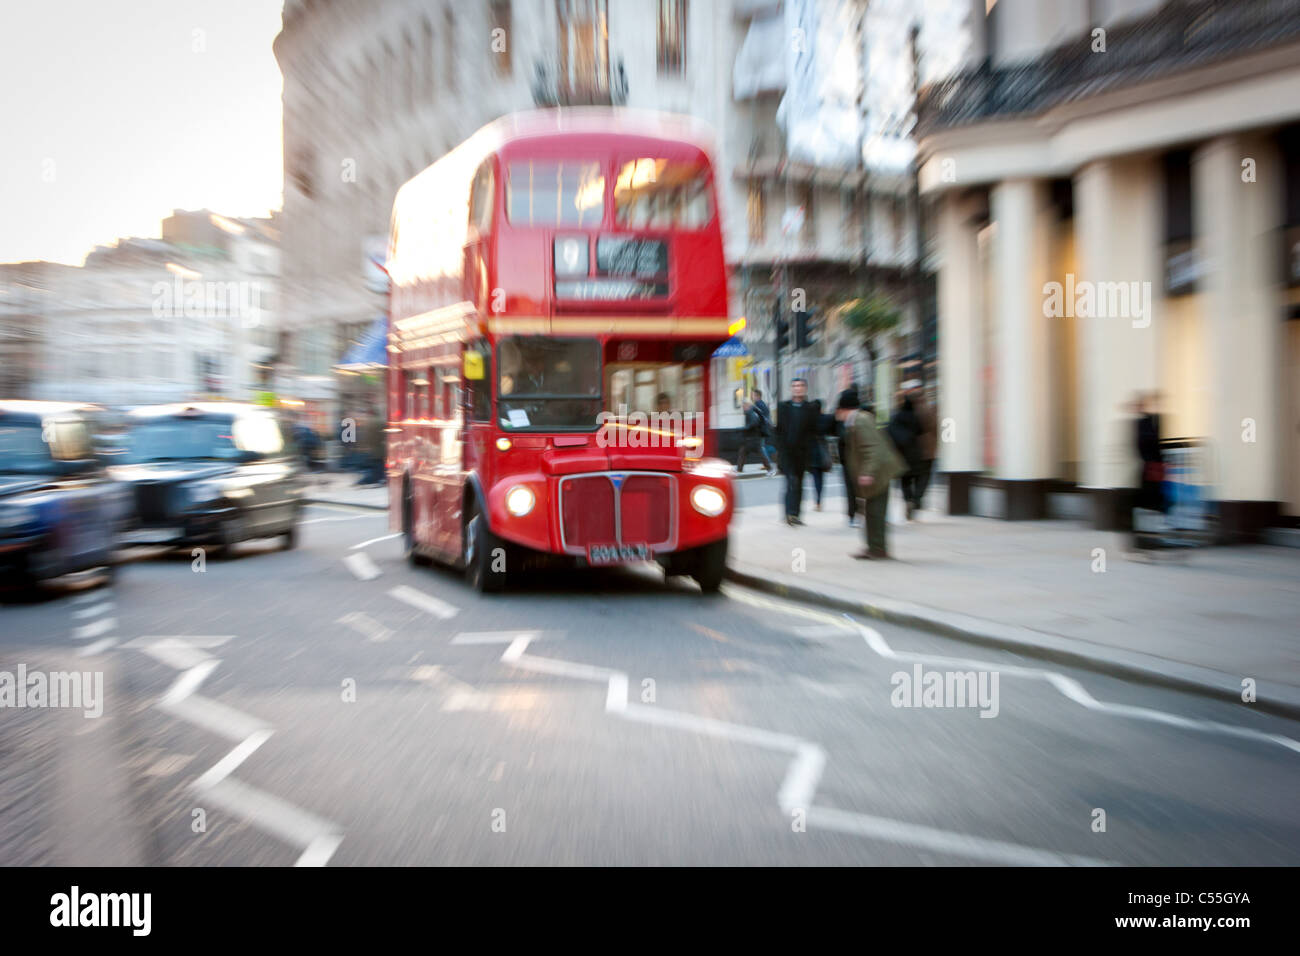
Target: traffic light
<point>782,334</point>
<point>806,328</point>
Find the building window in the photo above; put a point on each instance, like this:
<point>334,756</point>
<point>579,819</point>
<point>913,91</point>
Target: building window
<point>500,18</point>
<point>757,211</point>
<point>672,36</point>
<point>584,51</point>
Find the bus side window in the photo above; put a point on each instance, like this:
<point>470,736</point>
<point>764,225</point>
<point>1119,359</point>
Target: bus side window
<point>477,375</point>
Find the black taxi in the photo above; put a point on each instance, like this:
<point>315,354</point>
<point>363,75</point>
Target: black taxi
<point>209,473</point>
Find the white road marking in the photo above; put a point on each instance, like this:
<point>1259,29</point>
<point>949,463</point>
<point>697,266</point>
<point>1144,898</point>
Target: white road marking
<point>799,787</point>
<point>87,597</point>
<point>317,837</point>
<point>281,819</point>
<point>800,784</point>
<point>361,566</point>
<point>98,647</point>
<point>95,610</point>
<point>215,717</point>
<point>425,602</point>
<point>366,625</point>
<point>1068,687</point>
<point>382,537</point>
<point>189,681</point>
<point>942,841</point>
<point>94,628</point>
<point>373,514</point>
<point>227,765</point>
<point>179,640</point>
<point>494,637</point>
<point>320,850</point>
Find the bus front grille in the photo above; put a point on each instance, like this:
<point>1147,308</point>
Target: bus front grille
<point>617,509</point>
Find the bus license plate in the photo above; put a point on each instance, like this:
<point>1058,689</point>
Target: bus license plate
<point>601,554</point>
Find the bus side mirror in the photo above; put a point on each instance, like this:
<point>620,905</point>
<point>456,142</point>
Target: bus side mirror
<point>474,366</point>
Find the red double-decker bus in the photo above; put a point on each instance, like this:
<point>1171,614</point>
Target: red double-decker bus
<point>557,290</point>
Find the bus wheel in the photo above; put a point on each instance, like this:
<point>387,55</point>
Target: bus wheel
<point>710,566</point>
<point>485,556</point>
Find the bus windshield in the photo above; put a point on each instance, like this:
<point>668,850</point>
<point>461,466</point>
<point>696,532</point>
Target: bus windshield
<point>548,384</point>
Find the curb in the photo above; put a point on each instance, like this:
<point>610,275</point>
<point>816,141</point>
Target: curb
<point>1272,698</point>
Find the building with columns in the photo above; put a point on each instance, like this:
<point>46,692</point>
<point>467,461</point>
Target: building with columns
<point>1116,189</point>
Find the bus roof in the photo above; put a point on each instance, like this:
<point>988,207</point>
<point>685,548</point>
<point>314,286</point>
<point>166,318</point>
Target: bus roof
<point>566,121</point>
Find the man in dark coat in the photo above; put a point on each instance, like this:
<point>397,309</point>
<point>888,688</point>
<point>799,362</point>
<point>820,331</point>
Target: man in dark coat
<point>848,401</point>
<point>917,421</point>
<point>797,428</point>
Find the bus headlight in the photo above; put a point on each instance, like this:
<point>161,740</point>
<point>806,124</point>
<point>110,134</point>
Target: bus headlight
<point>708,501</point>
<point>520,500</point>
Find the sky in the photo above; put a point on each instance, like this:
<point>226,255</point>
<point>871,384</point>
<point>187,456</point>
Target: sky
<point>115,112</point>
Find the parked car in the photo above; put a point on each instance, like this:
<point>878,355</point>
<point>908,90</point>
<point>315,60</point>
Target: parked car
<point>57,506</point>
<point>213,473</point>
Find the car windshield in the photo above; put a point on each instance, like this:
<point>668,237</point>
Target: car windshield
<point>548,384</point>
<point>178,439</point>
<point>35,448</point>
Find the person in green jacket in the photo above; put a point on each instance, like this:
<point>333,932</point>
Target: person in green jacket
<point>873,464</point>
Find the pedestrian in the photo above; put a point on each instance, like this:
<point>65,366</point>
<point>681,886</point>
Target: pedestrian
<point>848,400</point>
<point>754,437</point>
<point>797,424</point>
<point>1151,477</point>
<point>370,442</point>
<point>820,463</point>
<point>904,431</point>
<point>921,461</point>
<point>873,465</point>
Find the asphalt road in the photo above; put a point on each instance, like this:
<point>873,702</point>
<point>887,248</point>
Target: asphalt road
<point>335,705</point>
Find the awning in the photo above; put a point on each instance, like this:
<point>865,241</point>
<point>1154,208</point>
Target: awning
<point>732,348</point>
<point>370,351</point>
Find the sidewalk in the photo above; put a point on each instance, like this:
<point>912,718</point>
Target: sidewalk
<point>340,488</point>
<point>1202,623</point>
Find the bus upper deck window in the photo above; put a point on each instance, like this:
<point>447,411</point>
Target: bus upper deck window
<point>652,193</point>
<point>556,193</point>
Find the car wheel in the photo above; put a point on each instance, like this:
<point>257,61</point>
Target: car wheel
<point>710,566</point>
<point>291,537</point>
<point>227,538</point>
<point>482,550</point>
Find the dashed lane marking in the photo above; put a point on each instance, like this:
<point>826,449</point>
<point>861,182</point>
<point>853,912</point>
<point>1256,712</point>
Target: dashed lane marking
<point>425,602</point>
<point>362,566</point>
<point>94,629</point>
<point>98,647</point>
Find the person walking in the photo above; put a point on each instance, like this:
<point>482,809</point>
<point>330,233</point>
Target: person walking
<point>873,465</point>
<point>904,430</point>
<point>754,439</point>
<point>848,401</point>
<point>921,461</point>
<point>797,423</point>
<point>1151,478</point>
<point>820,462</point>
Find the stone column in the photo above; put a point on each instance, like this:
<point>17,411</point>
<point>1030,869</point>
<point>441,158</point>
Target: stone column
<point>1021,211</point>
<point>961,428</point>
<point>1117,295</point>
<point>1236,223</point>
